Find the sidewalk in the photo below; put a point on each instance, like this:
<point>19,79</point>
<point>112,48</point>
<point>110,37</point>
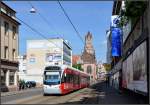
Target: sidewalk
<point>109,95</point>
<point>18,92</point>
<point>102,93</point>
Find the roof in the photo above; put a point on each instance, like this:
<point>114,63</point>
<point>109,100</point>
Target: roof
<point>75,59</point>
<point>7,6</point>
<point>10,18</point>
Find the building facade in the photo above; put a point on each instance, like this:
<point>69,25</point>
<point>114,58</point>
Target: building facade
<point>131,71</point>
<point>9,48</point>
<point>88,57</point>
<point>22,67</point>
<point>135,69</point>
<point>41,53</point>
<point>101,71</point>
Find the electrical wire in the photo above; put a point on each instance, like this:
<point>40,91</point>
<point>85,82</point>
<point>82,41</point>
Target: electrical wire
<point>33,29</point>
<point>45,20</point>
<point>65,13</point>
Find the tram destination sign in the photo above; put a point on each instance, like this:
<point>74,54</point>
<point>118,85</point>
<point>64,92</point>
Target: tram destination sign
<point>52,68</point>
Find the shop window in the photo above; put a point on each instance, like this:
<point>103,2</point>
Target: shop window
<point>11,78</point>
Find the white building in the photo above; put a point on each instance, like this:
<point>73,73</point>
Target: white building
<point>109,57</point>
<point>46,52</point>
<point>22,67</point>
<point>101,71</point>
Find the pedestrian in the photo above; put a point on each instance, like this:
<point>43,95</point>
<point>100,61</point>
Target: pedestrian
<point>19,84</point>
<point>107,81</point>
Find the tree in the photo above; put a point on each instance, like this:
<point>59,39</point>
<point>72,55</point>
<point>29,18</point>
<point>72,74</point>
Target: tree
<point>78,66</point>
<point>107,67</point>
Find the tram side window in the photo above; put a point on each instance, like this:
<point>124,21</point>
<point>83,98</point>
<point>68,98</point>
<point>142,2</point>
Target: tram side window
<point>80,79</point>
<point>83,80</point>
<point>71,77</point>
<point>76,80</point>
<point>74,77</point>
<point>68,78</point>
<point>63,80</point>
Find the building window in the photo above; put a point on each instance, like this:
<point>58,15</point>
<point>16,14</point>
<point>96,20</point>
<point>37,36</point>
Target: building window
<point>3,77</point>
<point>14,32</point>
<point>14,54</point>
<point>6,52</point>
<point>89,69</point>
<point>11,78</point>
<point>6,26</point>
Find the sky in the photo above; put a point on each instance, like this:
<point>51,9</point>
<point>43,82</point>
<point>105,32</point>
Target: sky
<point>93,16</point>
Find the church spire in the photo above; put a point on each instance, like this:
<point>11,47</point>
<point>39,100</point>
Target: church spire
<point>88,44</point>
<point>89,53</point>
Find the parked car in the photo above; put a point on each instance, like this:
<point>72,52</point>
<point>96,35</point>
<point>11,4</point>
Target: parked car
<point>30,84</point>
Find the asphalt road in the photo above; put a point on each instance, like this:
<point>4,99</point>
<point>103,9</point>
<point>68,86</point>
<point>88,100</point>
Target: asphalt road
<point>35,96</point>
<point>99,93</point>
<point>23,95</point>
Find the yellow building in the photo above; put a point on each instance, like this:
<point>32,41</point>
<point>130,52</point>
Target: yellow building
<point>9,48</point>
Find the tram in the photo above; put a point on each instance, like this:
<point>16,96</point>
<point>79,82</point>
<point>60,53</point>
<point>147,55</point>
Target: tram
<point>63,79</point>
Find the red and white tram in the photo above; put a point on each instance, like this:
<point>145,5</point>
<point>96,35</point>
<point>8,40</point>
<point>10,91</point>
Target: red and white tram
<point>63,79</point>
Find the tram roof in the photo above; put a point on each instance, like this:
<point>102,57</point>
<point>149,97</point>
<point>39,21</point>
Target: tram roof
<point>66,66</point>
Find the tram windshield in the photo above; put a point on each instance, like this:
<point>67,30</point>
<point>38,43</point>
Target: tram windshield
<point>47,77</point>
<point>52,78</point>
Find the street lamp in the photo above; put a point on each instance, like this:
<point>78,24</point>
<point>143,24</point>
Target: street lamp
<point>32,10</point>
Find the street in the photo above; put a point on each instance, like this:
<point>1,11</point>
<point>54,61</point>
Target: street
<point>99,93</point>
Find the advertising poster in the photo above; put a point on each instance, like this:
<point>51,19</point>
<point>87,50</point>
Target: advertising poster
<point>134,70</point>
<point>51,57</point>
<point>114,20</point>
<point>140,68</point>
<point>116,41</point>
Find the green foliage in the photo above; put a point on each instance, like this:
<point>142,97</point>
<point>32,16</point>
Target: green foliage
<point>123,21</point>
<point>78,66</point>
<point>133,9</point>
<point>107,67</point>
